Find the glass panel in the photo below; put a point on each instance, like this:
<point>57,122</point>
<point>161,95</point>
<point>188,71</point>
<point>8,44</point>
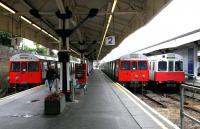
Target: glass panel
<point>15,67</point>
<point>142,65</point>
<point>125,65</point>
<point>24,67</point>
<point>32,66</point>
<point>178,66</point>
<point>171,66</point>
<point>134,65</point>
<point>162,66</point>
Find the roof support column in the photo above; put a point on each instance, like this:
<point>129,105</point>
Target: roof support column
<point>64,50</point>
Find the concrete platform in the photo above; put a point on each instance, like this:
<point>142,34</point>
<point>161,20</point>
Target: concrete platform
<point>107,105</point>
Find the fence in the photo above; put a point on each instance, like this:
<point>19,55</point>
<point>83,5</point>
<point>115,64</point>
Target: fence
<point>182,113</point>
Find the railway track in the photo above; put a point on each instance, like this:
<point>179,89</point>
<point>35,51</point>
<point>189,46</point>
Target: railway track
<point>170,101</point>
<point>155,101</point>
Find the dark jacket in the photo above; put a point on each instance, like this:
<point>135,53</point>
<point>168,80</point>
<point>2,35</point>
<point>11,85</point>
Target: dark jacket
<point>51,74</point>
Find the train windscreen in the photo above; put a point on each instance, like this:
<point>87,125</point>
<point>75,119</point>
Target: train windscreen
<point>125,65</point>
<point>32,66</point>
<point>162,66</point>
<point>142,65</point>
<point>178,66</point>
<point>171,66</point>
<point>134,65</point>
<point>15,67</point>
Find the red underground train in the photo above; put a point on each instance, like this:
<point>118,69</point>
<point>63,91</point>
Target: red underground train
<point>167,69</point>
<point>28,69</point>
<point>131,70</point>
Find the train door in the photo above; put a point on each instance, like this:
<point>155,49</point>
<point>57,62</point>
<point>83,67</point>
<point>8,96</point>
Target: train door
<point>143,72</point>
<point>125,72</point>
<point>24,74</point>
<point>134,68</point>
<point>34,72</point>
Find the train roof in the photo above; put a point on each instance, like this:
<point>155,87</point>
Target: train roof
<point>168,56</point>
<point>133,57</point>
<point>31,57</point>
<point>35,57</point>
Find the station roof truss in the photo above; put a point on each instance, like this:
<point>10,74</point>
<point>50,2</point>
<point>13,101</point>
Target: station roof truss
<point>115,17</point>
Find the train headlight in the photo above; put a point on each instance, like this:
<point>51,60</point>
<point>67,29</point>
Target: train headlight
<point>17,78</point>
<point>136,76</point>
<point>143,76</point>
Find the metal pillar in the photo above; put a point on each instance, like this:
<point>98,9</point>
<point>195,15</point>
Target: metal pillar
<point>68,65</point>
<point>181,106</point>
<point>64,58</point>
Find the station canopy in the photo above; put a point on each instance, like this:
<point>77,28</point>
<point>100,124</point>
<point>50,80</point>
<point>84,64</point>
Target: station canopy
<point>36,20</point>
<point>175,25</point>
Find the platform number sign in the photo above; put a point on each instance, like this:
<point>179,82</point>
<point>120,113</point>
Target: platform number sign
<point>16,41</point>
<point>110,40</point>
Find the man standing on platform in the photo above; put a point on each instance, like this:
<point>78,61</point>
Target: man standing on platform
<point>50,76</point>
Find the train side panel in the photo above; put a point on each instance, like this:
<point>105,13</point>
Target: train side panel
<point>169,77</point>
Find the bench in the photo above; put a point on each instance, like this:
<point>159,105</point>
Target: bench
<point>76,85</point>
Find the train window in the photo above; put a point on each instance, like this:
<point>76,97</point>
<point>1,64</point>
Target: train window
<point>32,66</point>
<point>162,66</point>
<point>24,67</point>
<point>171,66</point>
<point>134,65</point>
<point>15,67</point>
<point>142,65</point>
<point>178,66</point>
<point>125,65</point>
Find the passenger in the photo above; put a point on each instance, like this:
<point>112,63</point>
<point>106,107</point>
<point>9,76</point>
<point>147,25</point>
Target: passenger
<point>51,76</point>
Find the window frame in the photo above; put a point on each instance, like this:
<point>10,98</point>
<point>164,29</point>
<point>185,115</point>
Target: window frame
<point>35,63</point>
<point>179,65</point>
<point>126,62</point>
<point>169,66</point>
<point>165,66</point>
<point>11,69</point>
<point>146,65</point>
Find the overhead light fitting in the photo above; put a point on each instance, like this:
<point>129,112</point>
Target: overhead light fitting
<point>7,8</point>
<point>44,31</point>
<point>25,19</point>
<point>75,51</point>
<point>36,26</point>
<point>39,28</point>
<point>107,26</point>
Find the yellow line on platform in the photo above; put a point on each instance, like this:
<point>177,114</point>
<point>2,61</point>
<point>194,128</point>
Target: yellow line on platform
<point>139,105</point>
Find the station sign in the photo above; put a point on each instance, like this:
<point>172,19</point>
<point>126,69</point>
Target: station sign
<point>16,41</point>
<point>110,40</point>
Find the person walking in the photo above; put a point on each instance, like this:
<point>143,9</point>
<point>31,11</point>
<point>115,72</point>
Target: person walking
<point>50,76</point>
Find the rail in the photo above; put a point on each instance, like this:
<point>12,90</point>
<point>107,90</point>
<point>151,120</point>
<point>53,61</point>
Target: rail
<point>182,113</point>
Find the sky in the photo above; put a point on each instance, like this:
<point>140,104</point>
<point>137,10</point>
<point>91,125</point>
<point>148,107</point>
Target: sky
<point>179,17</point>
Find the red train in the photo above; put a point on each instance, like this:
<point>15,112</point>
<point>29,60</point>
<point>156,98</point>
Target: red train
<point>130,69</point>
<point>30,69</point>
<point>167,69</point>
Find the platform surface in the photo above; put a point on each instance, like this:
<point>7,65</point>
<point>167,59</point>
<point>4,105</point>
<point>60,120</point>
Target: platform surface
<point>106,106</point>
